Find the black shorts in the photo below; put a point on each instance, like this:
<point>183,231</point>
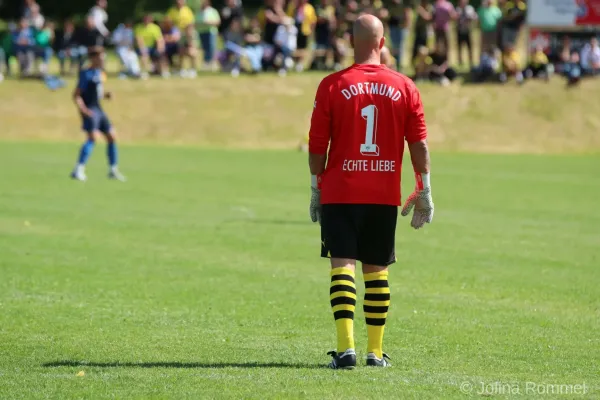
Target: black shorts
<point>301,41</point>
<point>464,38</point>
<point>363,232</point>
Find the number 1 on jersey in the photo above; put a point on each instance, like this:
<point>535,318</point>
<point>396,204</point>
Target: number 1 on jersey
<point>369,148</point>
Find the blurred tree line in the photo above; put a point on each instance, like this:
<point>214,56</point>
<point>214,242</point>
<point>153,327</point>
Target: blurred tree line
<point>118,10</point>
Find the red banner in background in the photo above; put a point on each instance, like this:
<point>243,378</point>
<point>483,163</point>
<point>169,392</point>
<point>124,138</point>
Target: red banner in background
<point>563,13</point>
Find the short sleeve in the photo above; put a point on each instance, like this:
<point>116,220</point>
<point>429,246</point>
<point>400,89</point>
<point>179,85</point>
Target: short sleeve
<point>83,80</point>
<point>415,128</point>
<point>312,14</point>
<point>320,123</point>
<point>158,33</point>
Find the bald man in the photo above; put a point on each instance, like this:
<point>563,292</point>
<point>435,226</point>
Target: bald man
<point>361,118</point>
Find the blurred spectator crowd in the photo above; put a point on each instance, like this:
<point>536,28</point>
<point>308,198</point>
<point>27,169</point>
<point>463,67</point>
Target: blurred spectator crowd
<point>193,36</point>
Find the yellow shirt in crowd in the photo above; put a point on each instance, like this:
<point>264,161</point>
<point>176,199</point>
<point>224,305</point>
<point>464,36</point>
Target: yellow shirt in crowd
<point>181,17</point>
<point>509,5</point>
<point>150,34</point>
<point>511,59</point>
<point>539,58</point>
<point>310,17</point>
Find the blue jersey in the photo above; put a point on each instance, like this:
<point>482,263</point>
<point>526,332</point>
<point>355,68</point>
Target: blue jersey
<point>24,37</point>
<point>91,85</point>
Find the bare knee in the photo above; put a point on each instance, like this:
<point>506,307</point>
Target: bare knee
<point>369,269</point>
<point>343,263</point>
<point>111,137</point>
<point>92,136</point>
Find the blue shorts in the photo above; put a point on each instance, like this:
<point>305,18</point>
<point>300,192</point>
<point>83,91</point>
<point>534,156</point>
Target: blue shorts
<point>99,122</point>
<point>151,51</point>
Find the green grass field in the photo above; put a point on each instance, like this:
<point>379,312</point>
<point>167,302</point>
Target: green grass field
<point>200,277</point>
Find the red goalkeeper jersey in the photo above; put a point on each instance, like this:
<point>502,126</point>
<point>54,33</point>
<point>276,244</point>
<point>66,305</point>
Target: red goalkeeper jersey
<point>364,114</point>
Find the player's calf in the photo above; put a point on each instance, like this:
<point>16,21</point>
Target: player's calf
<point>112,154</point>
<point>84,154</point>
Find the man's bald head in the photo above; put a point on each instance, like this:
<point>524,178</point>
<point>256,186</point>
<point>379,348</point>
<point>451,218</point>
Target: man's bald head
<point>367,35</point>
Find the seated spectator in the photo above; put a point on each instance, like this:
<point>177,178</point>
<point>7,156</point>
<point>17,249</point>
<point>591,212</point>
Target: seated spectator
<point>572,69</point>
<point>511,65</point>
<point>440,71</point>
<point>286,40</point>
<point>590,58</point>
<point>24,45</point>
<point>538,64</point>
<point>172,36</point>
<point>43,46</point>
<point>207,25</point>
<point>66,47</point>
<point>234,48</point>
<point>422,64</point>
<point>487,66</point>
<point>124,40</point>
<point>151,47</point>
<point>188,48</point>
<point>253,45</point>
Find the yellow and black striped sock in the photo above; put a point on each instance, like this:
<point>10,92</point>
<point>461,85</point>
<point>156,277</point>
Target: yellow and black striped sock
<point>377,302</point>
<point>342,295</point>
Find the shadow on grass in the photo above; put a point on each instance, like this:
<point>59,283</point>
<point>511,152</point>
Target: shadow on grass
<point>165,364</point>
<point>280,222</point>
<point>269,221</point>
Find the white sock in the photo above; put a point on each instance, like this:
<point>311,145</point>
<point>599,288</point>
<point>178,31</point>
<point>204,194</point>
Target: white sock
<point>80,168</point>
<point>114,168</point>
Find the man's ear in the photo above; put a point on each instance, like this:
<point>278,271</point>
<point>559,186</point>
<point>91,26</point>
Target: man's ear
<point>382,42</point>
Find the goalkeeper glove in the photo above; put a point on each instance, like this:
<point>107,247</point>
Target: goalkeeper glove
<point>421,201</point>
<point>315,200</point>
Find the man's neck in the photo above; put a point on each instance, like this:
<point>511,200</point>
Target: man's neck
<point>371,59</point>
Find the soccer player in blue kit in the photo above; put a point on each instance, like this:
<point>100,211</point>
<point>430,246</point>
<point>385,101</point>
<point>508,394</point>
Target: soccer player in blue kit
<point>87,97</point>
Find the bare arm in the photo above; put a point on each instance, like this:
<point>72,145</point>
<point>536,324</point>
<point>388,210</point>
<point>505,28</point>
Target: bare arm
<point>317,162</point>
<point>426,15</point>
<point>272,17</point>
<point>419,155</point>
<point>408,17</point>
<point>80,104</point>
<point>320,132</point>
<point>160,45</point>
<point>141,44</point>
